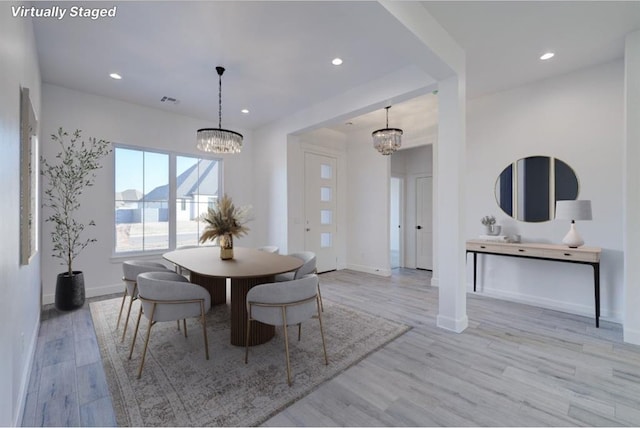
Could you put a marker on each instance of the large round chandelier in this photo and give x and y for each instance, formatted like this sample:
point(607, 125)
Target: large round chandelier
point(387, 140)
point(218, 140)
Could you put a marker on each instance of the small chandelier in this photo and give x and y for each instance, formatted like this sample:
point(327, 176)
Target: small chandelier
point(218, 140)
point(387, 140)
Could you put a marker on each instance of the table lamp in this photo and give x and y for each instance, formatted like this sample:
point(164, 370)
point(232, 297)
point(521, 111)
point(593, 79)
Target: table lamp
point(573, 210)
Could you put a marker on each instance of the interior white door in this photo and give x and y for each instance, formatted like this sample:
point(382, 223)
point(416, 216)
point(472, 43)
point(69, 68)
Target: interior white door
point(320, 209)
point(395, 222)
point(424, 223)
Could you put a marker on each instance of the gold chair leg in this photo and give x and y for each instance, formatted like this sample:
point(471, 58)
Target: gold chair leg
point(126, 321)
point(204, 330)
point(135, 333)
point(324, 347)
point(184, 324)
point(246, 341)
point(286, 343)
point(146, 342)
point(315, 271)
point(124, 297)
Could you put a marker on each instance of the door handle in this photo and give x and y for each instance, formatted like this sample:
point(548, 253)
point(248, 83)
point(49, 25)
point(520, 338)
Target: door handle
point(418, 227)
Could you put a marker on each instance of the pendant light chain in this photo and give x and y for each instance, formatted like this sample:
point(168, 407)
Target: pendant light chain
point(219, 100)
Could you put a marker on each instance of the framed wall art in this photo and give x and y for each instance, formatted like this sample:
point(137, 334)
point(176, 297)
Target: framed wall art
point(28, 180)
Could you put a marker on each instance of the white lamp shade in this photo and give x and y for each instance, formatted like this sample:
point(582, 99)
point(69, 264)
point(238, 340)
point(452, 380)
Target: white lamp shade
point(573, 210)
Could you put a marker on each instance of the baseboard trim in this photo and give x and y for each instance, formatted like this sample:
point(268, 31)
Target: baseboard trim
point(370, 269)
point(631, 336)
point(435, 281)
point(583, 310)
point(26, 375)
point(48, 299)
point(452, 324)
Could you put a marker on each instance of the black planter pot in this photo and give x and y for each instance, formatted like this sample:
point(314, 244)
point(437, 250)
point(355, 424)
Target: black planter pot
point(70, 291)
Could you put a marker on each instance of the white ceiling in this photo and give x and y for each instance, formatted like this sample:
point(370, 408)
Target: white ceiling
point(503, 40)
point(278, 54)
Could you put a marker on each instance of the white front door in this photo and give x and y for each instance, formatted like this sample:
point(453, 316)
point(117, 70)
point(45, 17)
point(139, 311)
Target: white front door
point(320, 209)
point(424, 223)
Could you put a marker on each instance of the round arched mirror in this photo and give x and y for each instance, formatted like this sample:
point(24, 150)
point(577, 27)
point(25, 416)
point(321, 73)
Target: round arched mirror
point(528, 189)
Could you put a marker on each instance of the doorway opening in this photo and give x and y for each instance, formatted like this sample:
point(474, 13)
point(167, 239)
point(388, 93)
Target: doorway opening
point(396, 204)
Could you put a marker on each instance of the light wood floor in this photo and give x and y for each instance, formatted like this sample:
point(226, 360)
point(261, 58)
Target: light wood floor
point(515, 365)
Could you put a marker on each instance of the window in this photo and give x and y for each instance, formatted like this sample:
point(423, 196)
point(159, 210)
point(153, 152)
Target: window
point(198, 183)
point(154, 209)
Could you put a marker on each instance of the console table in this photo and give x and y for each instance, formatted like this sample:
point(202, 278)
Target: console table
point(557, 253)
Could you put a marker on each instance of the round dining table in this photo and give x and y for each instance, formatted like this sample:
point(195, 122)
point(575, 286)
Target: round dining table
point(248, 268)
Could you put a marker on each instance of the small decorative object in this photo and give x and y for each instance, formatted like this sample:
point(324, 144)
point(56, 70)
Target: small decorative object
point(224, 221)
point(226, 246)
point(495, 229)
point(489, 221)
point(67, 179)
point(573, 210)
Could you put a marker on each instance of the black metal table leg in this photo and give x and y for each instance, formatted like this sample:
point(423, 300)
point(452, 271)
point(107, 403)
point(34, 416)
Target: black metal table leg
point(596, 286)
point(475, 260)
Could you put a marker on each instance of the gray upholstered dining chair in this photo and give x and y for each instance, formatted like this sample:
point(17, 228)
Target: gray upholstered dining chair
point(283, 304)
point(130, 270)
point(168, 296)
point(308, 267)
point(270, 249)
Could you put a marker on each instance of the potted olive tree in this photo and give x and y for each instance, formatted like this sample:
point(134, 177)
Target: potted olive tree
point(68, 176)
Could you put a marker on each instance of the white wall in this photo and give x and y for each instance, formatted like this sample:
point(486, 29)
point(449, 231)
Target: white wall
point(631, 155)
point(130, 124)
point(411, 164)
point(578, 118)
point(368, 206)
point(19, 285)
point(270, 186)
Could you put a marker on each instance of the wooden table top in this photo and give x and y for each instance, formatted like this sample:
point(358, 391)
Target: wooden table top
point(246, 262)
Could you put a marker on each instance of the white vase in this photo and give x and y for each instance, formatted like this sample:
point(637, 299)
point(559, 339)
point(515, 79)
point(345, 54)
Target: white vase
point(494, 230)
point(573, 239)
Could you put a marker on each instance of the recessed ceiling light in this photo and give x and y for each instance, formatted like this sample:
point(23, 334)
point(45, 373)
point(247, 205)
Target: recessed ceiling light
point(244, 110)
point(547, 55)
point(115, 76)
point(336, 61)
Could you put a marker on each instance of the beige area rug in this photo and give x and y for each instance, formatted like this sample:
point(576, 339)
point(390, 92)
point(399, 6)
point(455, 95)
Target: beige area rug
point(179, 387)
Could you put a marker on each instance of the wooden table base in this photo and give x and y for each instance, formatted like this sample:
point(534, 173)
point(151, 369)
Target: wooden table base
point(217, 287)
point(260, 333)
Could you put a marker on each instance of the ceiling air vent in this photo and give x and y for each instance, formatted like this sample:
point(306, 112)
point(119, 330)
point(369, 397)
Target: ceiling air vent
point(171, 100)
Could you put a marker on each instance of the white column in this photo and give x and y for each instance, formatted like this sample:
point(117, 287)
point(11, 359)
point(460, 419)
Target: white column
point(631, 189)
point(450, 163)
